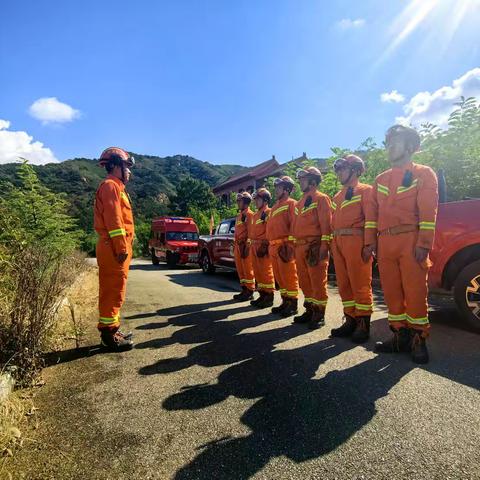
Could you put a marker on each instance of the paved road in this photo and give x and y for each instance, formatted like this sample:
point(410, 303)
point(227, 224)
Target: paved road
point(216, 390)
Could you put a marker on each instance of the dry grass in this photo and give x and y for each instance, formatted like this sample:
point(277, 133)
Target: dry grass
point(14, 414)
point(78, 311)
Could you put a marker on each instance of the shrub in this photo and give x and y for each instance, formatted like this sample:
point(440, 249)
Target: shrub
point(38, 262)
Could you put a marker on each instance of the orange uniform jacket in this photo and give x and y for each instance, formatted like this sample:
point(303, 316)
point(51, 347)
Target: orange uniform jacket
point(354, 276)
point(394, 204)
point(113, 221)
point(281, 220)
point(351, 213)
point(258, 225)
point(113, 218)
point(315, 219)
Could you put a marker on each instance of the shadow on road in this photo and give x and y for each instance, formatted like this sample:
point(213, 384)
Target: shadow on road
point(295, 414)
point(220, 282)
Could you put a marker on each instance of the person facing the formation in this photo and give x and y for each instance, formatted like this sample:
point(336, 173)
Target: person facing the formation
point(312, 230)
point(281, 249)
point(405, 201)
point(113, 221)
point(353, 262)
point(243, 258)
point(262, 263)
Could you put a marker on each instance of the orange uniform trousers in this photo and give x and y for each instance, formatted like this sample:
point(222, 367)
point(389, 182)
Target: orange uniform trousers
point(312, 280)
point(244, 269)
point(285, 273)
point(112, 278)
point(354, 276)
point(263, 271)
point(404, 281)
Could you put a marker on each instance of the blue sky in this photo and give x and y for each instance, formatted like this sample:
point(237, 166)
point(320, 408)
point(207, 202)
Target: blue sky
point(224, 81)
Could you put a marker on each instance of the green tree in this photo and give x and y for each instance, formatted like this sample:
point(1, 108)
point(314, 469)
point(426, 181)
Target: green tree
point(193, 193)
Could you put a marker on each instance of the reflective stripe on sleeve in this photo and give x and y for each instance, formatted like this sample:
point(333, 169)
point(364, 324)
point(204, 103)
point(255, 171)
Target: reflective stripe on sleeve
point(427, 225)
point(383, 189)
point(118, 232)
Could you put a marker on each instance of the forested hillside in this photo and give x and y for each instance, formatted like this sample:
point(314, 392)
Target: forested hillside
point(152, 188)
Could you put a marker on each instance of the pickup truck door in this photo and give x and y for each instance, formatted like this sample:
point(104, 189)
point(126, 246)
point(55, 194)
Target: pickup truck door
point(218, 247)
point(228, 258)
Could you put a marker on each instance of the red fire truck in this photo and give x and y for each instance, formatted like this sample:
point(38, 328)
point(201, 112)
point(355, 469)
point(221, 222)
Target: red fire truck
point(174, 240)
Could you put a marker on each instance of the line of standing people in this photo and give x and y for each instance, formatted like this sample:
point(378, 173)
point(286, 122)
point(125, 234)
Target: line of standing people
point(394, 220)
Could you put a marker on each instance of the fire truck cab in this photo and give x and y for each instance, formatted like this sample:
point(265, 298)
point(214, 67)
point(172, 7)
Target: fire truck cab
point(174, 240)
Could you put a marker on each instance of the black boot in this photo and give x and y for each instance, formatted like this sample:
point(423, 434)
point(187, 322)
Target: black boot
point(419, 348)
point(266, 301)
point(362, 330)
point(238, 296)
point(290, 309)
point(346, 329)
point(317, 320)
point(306, 316)
point(244, 295)
point(114, 341)
point(400, 342)
point(280, 308)
point(254, 303)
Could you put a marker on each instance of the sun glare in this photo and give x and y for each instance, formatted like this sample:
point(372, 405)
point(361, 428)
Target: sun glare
point(445, 16)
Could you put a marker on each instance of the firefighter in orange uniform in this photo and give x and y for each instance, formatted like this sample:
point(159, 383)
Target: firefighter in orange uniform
point(281, 247)
point(262, 263)
point(113, 220)
point(312, 231)
point(353, 263)
point(243, 257)
point(405, 201)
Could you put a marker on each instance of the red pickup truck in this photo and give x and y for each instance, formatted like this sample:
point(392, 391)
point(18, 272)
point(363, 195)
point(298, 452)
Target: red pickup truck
point(456, 256)
point(174, 240)
point(217, 250)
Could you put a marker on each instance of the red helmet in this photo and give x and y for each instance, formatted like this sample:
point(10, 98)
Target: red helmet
point(264, 194)
point(117, 156)
point(311, 172)
point(354, 163)
point(285, 181)
point(245, 196)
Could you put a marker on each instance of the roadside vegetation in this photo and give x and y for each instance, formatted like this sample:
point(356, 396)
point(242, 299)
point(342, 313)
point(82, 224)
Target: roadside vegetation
point(39, 261)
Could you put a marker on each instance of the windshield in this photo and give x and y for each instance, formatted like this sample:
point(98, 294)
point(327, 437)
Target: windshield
point(189, 236)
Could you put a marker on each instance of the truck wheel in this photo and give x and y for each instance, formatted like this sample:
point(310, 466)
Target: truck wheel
point(206, 263)
point(171, 261)
point(467, 293)
point(155, 259)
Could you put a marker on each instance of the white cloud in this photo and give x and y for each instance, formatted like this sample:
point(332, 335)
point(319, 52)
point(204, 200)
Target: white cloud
point(437, 106)
point(392, 97)
point(14, 145)
point(348, 23)
point(51, 110)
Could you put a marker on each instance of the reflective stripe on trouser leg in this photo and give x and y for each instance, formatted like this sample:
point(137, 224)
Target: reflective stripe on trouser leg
point(112, 278)
point(263, 271)
point(343, 282)
point(404, 281)
point(358, 272)
point(285, 274)
point(302, 271)
point(244, 269)
point(414, 281)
